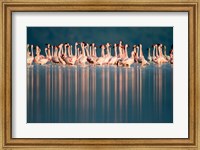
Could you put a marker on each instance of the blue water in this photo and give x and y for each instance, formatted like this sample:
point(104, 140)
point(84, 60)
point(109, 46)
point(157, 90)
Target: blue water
point(101, 35)
point(100, 94)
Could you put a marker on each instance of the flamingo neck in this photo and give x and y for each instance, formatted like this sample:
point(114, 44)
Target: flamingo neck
point(165, 52)
point(93, 51)
point(90, 51)
point(71, 51)
point(95, 54)
point(126, 53)
point(68, 50)
point(115, 51)
point(149, 52)
point(87, 51)
point(141, 53)
point(153, 51)
point(32, 52)
point(76, 50)
point(160, 51)
point(52, 51)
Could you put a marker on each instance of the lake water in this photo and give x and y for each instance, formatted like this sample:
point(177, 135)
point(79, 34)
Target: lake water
point(100, 94)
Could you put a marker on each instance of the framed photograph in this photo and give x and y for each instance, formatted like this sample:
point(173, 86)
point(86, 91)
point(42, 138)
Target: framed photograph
point(87, 74)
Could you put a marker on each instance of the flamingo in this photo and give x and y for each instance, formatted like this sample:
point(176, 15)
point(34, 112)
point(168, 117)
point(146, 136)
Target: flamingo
point(69, 51)
point(66, 55)
point(136, 54)
point(95, 53)
point(48, 52)
point(114, 59)
point(120, 49)
point(128, 61)
point(91, 58)
point(90, 50)
point(40, 59)
point(140, 53)
point(55, 55)
point(79, 53)
point(48, 56)
point(141, 57)
point(108, 55)
point(30, 56)
point(60, 58)
point(100, 60)
point(162, 58)
point(73, 57)
point(149, 58)
point(123, 56)
point(83, 58)
point(125, 51)
point(155, 54)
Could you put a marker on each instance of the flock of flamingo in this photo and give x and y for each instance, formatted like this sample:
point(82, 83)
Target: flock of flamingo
point(86, 54)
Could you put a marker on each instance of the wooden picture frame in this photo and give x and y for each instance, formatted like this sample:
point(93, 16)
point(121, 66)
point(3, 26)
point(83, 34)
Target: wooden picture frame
point(9, 6)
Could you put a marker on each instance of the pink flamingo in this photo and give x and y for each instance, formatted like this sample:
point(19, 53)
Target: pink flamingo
point(66, 56)
point(123, 54)
point(80, 54)
point(163, 59)
point(73, 58)
point(55, 55)
point(40, 59)
point(114, 59)
point(108, 55)
point(120, 46)
point(83, 58)
point(134, 53)
point(30, 56)
point(60, 58)
point(100, 60)
point(92, 55)
point(141, 57)
point(128, 61)
point(165, 54)
point(48, 52)
point(155, 54)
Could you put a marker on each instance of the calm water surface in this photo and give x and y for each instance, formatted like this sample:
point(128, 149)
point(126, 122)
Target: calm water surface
point(108, 94)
